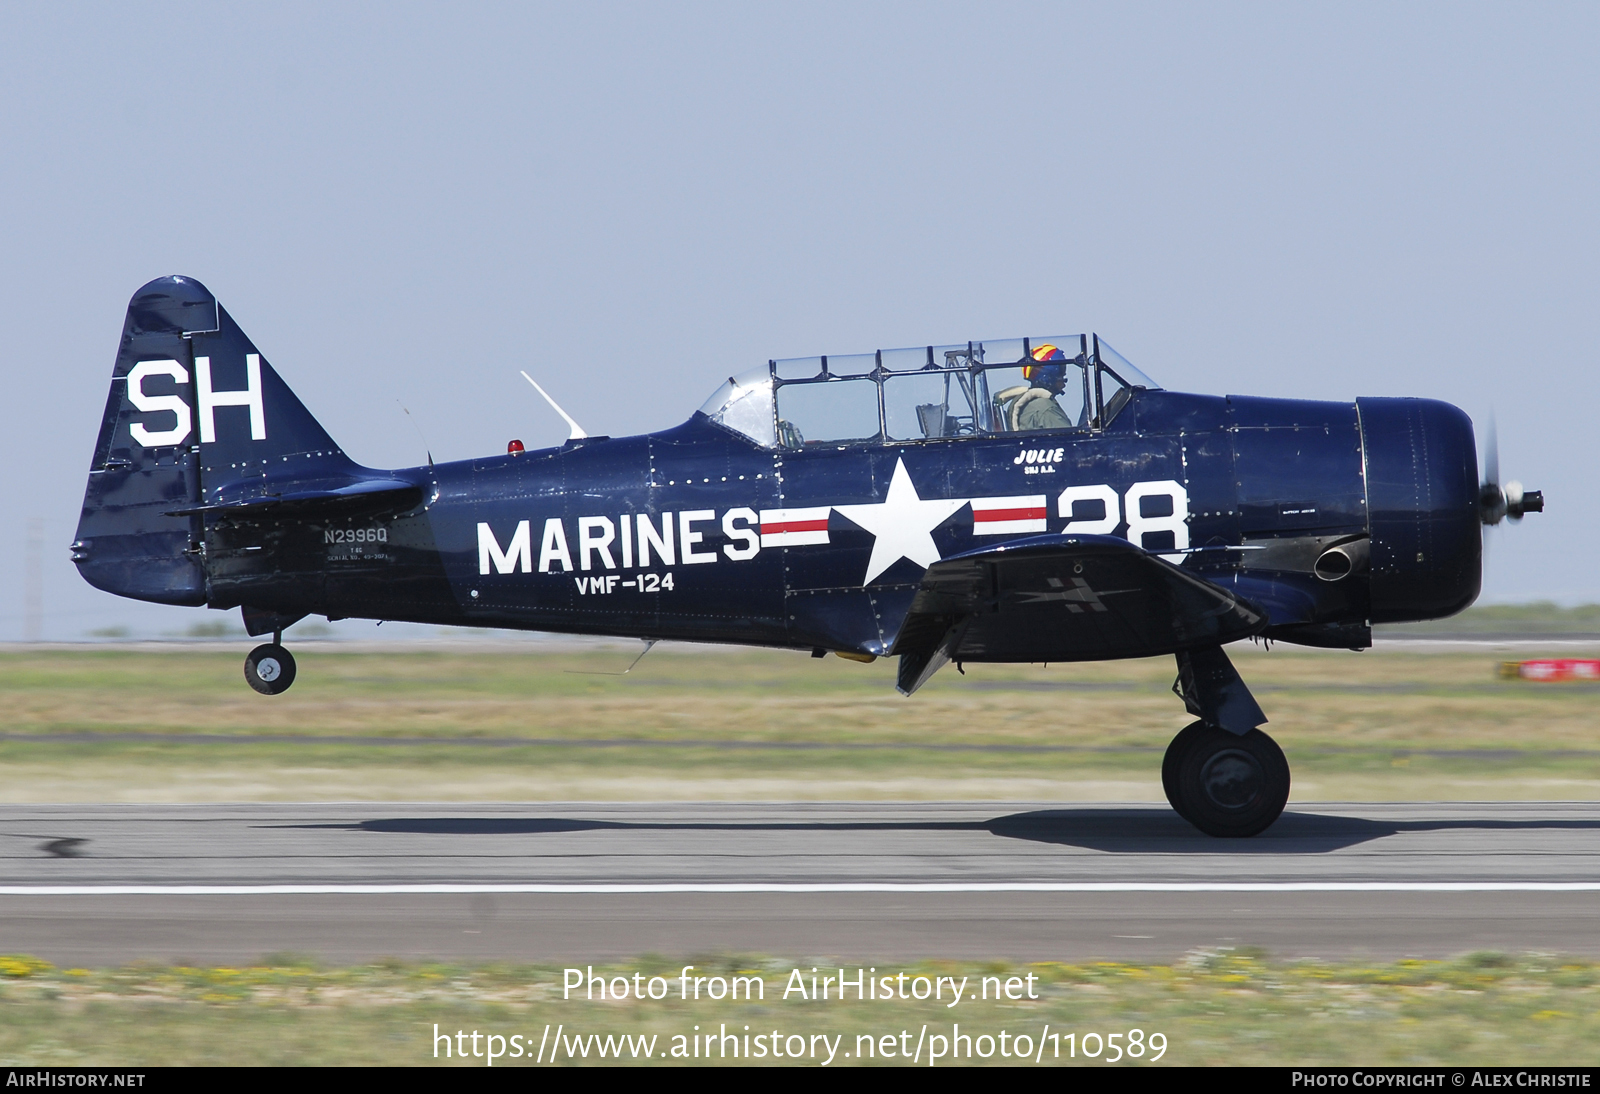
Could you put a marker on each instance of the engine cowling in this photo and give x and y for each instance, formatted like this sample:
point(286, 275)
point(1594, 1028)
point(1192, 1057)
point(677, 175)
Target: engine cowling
point(1421, 466)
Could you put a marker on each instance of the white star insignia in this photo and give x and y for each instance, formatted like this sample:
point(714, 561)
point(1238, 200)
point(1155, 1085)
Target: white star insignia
point(902, 523)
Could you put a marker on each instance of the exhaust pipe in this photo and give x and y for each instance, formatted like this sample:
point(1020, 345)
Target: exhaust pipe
point(1342, 560)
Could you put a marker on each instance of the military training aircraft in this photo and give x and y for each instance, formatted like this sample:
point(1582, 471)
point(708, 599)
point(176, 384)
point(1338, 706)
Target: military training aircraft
point(1027, 499)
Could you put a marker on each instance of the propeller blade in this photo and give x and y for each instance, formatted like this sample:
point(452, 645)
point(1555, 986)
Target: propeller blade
point(1491, 455)
point(1491, 499)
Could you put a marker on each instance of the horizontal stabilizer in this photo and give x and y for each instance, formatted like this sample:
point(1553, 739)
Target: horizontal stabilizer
point(1063, 598)
point(366, 493)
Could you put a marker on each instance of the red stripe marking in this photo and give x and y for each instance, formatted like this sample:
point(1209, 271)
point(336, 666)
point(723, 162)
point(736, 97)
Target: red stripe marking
point(800, 526)
point(987, 515)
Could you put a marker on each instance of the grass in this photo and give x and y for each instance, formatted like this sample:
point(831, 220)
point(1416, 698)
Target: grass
point(740, 724)
point(1540, 617)
point(1225, 1007)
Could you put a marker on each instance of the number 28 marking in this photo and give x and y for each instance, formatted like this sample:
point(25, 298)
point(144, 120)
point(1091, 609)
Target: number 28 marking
point(1150, 507)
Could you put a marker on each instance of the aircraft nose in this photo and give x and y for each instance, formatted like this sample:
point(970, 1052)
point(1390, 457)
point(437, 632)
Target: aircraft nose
point(1422, 507)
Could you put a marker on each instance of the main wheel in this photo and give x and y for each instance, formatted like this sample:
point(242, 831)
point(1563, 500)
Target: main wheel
point(269, 669)
point(1173, 760)
point(1230, 785)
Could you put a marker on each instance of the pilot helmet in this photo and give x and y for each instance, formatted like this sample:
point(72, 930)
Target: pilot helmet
point(1042, 374)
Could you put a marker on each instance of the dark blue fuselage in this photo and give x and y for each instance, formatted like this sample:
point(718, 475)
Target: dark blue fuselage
point(1248, 493)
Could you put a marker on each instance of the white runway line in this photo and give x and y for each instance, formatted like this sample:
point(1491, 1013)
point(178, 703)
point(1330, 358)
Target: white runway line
point(823, 887)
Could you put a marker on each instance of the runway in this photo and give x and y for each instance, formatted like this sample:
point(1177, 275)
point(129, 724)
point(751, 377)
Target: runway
point(585, 883)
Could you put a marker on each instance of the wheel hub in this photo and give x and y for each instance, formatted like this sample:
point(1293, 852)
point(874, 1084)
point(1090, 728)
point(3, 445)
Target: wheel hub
point(1232, 779)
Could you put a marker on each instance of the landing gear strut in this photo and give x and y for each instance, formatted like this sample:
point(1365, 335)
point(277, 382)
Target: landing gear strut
point(1225, 784)
point(1222, 774)
point(269, 668)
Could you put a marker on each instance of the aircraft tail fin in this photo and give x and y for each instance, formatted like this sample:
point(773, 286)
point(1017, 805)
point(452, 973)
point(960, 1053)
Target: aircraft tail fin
point(195, 417)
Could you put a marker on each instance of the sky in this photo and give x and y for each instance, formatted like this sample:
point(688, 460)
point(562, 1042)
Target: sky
point(403, 205)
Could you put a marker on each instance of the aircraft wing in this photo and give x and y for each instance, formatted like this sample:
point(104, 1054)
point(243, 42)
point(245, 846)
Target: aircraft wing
point(1063, 598)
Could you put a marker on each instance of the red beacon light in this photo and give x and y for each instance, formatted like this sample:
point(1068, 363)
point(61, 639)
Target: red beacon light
point(514, 447)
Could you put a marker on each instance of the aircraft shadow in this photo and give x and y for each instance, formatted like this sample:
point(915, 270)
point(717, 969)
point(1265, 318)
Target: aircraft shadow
point(1151, 830)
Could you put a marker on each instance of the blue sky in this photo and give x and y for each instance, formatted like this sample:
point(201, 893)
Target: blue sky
point(407, 204)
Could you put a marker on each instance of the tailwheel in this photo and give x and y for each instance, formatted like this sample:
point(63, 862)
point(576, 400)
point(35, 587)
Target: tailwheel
point(1226, 784)
point(269, 669)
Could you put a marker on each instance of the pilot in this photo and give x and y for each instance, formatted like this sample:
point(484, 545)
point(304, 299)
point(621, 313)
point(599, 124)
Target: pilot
point(1035, 407)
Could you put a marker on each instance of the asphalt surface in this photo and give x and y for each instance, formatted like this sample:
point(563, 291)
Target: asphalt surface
point(872, 881)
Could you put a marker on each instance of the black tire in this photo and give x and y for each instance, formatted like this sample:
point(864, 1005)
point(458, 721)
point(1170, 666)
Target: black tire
point(1232, 786)
point(269, 669)
point(1173, 760)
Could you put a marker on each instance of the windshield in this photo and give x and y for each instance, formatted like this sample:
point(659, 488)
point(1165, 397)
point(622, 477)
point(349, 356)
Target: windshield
point(744, 405)
point(1121, 366)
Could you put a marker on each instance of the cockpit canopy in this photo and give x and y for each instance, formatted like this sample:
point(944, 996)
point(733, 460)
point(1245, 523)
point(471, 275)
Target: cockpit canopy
point(1010, 385)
